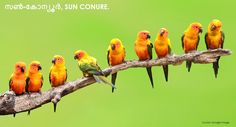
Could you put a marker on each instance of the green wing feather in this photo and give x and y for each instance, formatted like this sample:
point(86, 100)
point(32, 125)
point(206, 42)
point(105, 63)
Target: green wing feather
point(27, 84)
point(90, 68)
point(108, 60)
point(50, 76)
point(198, 40)
point(182, 39)
point(206, 37)
point(10, 82)
point(222, 39)
point(149, 47)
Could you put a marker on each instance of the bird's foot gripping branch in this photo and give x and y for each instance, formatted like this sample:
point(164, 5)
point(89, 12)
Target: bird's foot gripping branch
point(12, 104)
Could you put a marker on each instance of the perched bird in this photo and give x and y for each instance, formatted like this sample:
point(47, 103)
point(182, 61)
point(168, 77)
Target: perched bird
point(17, 81)
point(214, 38)
point(190, 40)
point(58, 73)
point(34, 81)
point(163, 47)
point(115, 56)
point(88, 65)
point(143, 48)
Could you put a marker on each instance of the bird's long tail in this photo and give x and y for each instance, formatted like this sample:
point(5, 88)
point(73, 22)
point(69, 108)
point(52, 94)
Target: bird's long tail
point(103, 79)
point(188, 65)
point(216, 66)
point(165, 69)
point(113, 80)
point(149, 71)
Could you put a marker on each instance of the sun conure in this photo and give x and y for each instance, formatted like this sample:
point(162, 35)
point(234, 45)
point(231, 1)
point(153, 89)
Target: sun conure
point(190, 40)
point(34, 81)
point(88, 65)
point(214, 38)
point(163, 47)
point(143, 48)
point(17, 81)
point(115, 56)
point(58, 73)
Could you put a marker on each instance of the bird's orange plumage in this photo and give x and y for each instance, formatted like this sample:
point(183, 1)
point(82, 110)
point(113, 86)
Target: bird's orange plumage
point(162, 44)
point(18, 79)
point(116, 52)
point(35, 78)
point(141, 45)
point(190, 38)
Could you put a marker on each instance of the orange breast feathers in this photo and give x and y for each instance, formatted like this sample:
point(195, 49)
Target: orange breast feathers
point(35, 83)
point(162, 48)
point(18, 83)
point(116, 57)
point(190, 44)
point(141, 50)
point(214, 41)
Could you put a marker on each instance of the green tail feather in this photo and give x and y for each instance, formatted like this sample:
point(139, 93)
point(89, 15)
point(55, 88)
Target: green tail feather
point(188, 65)
point(149, 71)
point(113, 80)
point(103, 79)
point(165, 69)
point(216, 67)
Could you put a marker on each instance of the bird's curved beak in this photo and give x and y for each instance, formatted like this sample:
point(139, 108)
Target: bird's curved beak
point(162, 32)
point(113, 47)
point(213, 27)
point(200, 30)
point(148, 36)
point(39, 68)
point(53, 61)
point(75, 57)
point(22, 69)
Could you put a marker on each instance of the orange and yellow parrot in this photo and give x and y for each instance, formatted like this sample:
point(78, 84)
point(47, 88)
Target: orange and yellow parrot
point(88, 65)
point(163, 47)
point(17, 81)
point(143, 48)
point(190, 40)
point(115, 56)
point(214, 39)
point(58, 73)
point(34, 81)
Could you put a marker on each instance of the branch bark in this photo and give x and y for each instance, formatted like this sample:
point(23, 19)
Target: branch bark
point(11, 104)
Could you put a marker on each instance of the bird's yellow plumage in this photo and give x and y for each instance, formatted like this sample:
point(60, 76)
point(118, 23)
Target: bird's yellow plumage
point(58, 72)
point(115, 56)
point(214, 38)
point(163, 47)
point(34, 78)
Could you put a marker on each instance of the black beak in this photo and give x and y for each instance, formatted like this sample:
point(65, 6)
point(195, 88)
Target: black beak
point(39, 68)
point(213, 27)
point(22, 70)
point(75, 57)
point(113, 47)
point(148, 36)
point(53, 61)
point(162, 32)
point(200, 30)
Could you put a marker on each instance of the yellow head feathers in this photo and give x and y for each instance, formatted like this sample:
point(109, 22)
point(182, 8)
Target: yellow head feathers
point(58, 60)
point(215, 25)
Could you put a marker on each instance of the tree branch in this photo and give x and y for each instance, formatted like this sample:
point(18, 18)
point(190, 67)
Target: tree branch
point(11, 104)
